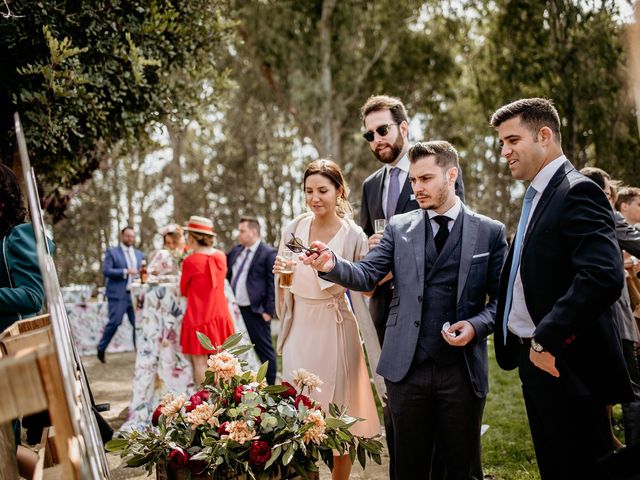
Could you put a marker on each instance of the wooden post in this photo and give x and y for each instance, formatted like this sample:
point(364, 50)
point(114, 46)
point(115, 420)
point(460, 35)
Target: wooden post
point(8, 465)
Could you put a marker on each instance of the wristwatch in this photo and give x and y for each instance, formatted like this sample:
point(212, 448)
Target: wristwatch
point(536, 346)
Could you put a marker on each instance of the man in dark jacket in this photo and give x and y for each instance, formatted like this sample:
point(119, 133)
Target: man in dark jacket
point(249, 269)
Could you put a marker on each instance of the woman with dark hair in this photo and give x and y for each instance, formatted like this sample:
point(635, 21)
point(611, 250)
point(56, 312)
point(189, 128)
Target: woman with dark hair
point(202, 282)
point(21, 287)
point(319, 330)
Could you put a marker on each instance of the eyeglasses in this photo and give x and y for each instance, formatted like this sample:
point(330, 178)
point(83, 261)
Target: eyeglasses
point(382, 130)
point(296, 246)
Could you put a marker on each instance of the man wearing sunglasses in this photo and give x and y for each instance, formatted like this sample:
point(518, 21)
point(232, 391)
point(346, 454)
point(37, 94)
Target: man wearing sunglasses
point(385, 193)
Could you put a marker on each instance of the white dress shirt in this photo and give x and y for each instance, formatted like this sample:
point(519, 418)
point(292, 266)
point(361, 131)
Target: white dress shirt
point(520, 322)
point(242, 295)
point(403, 165)
point(452, 213)
point(132, 263)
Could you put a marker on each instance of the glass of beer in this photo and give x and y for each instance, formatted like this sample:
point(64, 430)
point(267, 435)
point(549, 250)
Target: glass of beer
point(286, 274)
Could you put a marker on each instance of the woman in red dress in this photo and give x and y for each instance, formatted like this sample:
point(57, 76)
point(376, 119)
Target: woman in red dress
point(202, 282)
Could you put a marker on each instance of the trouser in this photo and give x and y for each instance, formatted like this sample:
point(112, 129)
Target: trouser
point(570, 432)
point(436, 404)
point(117, 309)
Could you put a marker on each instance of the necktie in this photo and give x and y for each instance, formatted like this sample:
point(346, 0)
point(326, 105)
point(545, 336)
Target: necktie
point(517, 253)
point(394, 192)
point(236, 277)
point(131, 263)
point(443, 232)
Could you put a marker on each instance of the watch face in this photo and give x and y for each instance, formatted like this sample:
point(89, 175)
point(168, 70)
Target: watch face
point(536, 346)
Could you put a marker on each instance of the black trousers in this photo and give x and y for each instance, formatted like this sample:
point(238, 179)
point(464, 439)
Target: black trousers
point(435, 404)
point(260, 335)
point(570, 433)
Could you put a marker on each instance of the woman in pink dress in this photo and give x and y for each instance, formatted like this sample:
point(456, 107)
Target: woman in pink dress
point(319, 329)
point(202, 282)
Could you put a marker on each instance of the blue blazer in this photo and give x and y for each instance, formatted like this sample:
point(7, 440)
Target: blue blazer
point(572, 273)
point(260, 283)
point(402, 251)
point(113, 267)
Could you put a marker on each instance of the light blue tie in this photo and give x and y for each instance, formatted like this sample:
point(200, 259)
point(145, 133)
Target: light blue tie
point(517, 252)
point(394, 191)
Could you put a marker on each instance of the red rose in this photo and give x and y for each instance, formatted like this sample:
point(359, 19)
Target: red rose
point(306, 401)
point(237, 394)
point(223, 429)
point(156, 416)
point(178, 459)
point(259, 452)
point(203, 394)
point(194, 401)
point(289, 392)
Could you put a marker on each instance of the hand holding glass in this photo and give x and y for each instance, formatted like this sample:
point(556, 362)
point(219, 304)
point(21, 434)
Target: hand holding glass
point(379, 225)
point(286, 272)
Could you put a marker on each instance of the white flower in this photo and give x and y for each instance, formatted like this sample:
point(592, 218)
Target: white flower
point(240, 432)
point(171, 406)
point(316, 433)
point(203, 413)
point(302, 378)
point(224, 366)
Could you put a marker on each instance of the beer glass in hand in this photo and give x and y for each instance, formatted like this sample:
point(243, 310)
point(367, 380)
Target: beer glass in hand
point(286, 273)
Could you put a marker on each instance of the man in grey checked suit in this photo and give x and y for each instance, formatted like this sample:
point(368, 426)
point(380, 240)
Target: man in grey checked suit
point(446, 262)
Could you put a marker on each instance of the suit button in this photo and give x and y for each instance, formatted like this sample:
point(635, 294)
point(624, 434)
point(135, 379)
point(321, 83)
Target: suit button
point(446, 314)
point(420, 298)
point(416, 323)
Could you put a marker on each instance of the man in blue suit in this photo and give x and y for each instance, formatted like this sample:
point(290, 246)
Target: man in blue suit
point(120, 266)
point(446, 263)
point(250, 265)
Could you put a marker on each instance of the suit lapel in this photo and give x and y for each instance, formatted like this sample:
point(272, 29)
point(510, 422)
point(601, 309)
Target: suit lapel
point(547, 194)
point(376, 198)
point(418, 240)
point(255, 257)
point(405, 196)
point(467, 248)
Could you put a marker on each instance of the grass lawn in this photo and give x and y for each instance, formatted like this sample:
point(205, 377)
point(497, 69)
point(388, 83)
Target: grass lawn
point(507, 450)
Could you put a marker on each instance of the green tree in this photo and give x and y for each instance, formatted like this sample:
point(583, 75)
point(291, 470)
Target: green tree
point(88, 77)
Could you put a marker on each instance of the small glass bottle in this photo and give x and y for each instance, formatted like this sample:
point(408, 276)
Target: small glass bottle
point(143, 272)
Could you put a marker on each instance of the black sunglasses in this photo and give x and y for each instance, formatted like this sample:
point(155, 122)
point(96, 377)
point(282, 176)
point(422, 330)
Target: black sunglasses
point(382, 130)
point(296, 246)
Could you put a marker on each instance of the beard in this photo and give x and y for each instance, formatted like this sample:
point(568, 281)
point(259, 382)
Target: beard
point(436, 200)
point(394, 151)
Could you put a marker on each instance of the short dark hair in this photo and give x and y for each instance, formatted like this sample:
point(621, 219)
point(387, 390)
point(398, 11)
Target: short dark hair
point(626, 195)
point(535, 113)
point(13, 211)
point(128, 227)
point(253, 222)
point(377, 103)
point(599, 176)
point(445, 153)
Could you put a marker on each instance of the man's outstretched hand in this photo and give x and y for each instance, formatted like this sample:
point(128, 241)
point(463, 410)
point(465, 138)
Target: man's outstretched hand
point(322, 262)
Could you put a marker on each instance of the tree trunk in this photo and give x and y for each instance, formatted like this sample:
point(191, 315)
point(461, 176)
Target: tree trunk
point(177, 134)
point(326, 81)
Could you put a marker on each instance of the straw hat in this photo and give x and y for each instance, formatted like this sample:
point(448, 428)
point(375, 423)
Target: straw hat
point(199, 225)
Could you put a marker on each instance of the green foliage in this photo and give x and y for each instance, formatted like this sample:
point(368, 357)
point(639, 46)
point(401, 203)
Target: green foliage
point(89, 76)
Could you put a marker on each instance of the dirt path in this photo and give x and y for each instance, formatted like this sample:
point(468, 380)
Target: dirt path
point(111, 382)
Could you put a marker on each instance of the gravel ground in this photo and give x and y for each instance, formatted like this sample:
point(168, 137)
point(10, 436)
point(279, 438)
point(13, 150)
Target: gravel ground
point(111, 382)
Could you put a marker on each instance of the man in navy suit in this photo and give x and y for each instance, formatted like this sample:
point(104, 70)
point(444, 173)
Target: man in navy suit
point(557, 289)
point(385, 193)
point(446, 262)
point(250, 265)
point(120, 266)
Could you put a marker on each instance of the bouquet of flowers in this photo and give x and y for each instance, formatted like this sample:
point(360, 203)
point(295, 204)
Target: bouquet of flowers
point(236, 425)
